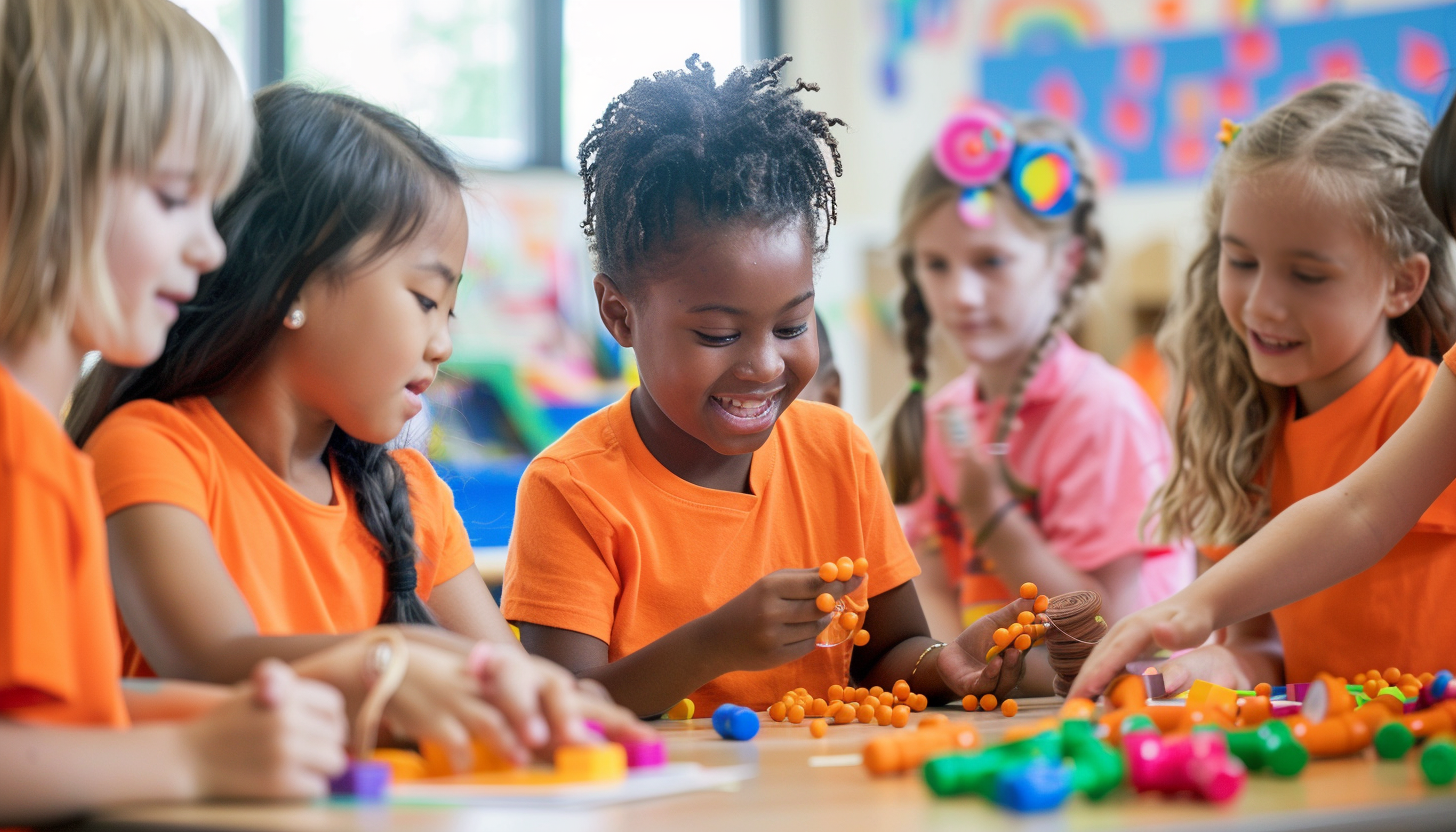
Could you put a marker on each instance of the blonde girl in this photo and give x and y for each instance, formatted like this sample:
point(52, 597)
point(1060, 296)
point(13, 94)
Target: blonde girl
point(1304, 340)
point(1057, 451)
point(123, 123)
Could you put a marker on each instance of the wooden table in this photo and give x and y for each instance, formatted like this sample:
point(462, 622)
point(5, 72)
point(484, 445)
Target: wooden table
point(791, 794)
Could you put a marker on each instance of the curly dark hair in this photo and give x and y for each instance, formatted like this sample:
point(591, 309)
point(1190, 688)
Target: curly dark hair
point(746, 148)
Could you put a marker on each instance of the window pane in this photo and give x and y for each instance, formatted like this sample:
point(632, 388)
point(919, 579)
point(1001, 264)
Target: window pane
point(608, 45)
point(455, 67)
point(225, 19)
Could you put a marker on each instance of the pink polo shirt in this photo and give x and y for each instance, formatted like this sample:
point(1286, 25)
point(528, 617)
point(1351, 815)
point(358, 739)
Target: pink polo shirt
point(1093, 447)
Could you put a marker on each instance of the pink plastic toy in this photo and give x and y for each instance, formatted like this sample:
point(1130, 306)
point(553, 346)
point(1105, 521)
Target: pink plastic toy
point(649, 754)
point(1198, 763)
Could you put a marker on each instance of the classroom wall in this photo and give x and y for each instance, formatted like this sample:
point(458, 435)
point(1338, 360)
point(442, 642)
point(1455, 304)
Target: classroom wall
point(1150, 229)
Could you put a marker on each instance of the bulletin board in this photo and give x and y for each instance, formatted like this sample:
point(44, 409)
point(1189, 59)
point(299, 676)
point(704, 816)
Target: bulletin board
point(1152, 107)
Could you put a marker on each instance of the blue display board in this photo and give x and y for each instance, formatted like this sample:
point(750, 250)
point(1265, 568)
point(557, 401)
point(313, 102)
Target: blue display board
point(1153, 107)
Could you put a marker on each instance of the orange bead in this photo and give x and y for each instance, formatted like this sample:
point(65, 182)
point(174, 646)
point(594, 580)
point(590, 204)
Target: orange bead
point(818, 707)
point(776, 711)
point(988, 702)
point(1264, 689)
point(1028, 590)
point(789, 698)
point(1015, 630)
point(883, 714)
point(818, 728)
point(930, 721)
point(1077, 708)
point(848, 620)
point(1040, 605)
point(918, 702)
point(887, 698)
point(900, 716)
point(1002, 637)
point(845, 714)
point(861, 638)
point(1409, 691)
point(875, 691)
point(846, 569)
point(828, 572)
point(1425, 679)
point(825, 602)
point(866, 713)
point(1391, 675)
point(1408, 679)
point(1009, 707)
point(836, 692)
point(1025, 617)
point(861, 567)
point(1373, 686)
point(1023, 642)
point(970, 703)
point(796, 714)
point(901, 689)
point(1373, 674)
point(802, 691)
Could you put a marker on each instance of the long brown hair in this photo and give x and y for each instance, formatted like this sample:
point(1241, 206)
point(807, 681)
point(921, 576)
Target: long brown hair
point(1364, 146)
point(927, 191)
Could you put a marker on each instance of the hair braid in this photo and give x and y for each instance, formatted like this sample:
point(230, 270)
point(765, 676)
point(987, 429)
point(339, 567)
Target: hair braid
point(904, 465)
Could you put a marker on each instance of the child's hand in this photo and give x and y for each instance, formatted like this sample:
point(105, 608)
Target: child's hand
point(963, 663)
point(1175, 624)
point(981, 488)
point(1212, 662)
point(278, 736)
point(542, 701)
point(775, 620)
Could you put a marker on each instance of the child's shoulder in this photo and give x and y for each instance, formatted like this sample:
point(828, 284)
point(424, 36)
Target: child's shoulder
point(32, 444)
point(149, 418)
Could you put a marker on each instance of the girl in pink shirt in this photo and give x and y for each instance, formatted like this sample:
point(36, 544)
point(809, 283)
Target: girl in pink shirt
point(1037, 463)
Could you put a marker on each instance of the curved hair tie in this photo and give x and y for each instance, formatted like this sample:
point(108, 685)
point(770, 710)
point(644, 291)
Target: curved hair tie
point(1228, 131)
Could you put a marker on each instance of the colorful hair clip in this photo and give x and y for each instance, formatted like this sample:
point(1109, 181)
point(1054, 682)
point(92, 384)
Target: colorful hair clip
point(975, 207)
point(1228, 131)
point(1044, 178)
point(975, 146)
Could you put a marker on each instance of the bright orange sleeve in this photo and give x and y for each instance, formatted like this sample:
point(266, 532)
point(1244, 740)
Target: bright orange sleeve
point(37, 543)
point(892, 562)
point(433, 503)
point(557, 574)
point(143, 455)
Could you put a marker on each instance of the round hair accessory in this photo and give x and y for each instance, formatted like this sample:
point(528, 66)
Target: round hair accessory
point(975, 207)
point(1044, 178)
point(295, 319)
point(974, 146)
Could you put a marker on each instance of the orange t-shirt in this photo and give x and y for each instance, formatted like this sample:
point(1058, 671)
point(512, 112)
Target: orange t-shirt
point(301, 566)
point(1372, 619)
point(60, 658)
point(609, 543)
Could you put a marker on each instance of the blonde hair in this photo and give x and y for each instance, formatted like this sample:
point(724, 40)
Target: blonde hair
point(92, 89)
point(926, 192)
point(1363, 146)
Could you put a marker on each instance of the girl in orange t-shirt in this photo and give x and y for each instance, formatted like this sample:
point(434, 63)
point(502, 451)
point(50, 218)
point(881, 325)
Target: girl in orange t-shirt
point(1306, 334)
point(252, 504)
point(107, 191)
point(667, 546)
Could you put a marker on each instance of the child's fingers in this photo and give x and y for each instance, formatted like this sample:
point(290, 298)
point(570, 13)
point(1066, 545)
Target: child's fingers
point(800, 631)
point(806, 585)
point(1126, 640)
point(272, 682)
point(1010, 672)
point(512, 684)
point(617, 722)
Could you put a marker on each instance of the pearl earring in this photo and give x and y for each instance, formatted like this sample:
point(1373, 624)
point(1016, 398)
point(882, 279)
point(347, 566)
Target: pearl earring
point(295, 319)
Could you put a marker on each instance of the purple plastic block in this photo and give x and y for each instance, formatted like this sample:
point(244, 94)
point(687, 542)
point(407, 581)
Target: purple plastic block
point(1283, 709)
point(366, 780)
point(650, 754)
point(1296, 693)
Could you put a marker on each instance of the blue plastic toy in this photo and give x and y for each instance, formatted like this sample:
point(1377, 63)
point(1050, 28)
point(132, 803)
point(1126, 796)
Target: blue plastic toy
point(735, 722)
point(1038, 786)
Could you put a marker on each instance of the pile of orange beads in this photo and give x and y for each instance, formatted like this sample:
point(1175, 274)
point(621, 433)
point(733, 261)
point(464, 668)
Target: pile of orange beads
point(1409, 685)
point(850, 620)
point(971, 702)
point(1027, 632)
point(843, 705)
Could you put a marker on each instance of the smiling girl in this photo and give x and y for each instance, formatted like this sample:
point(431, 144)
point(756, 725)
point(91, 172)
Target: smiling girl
point(1307, 332)
point(251, 503)
point(668, 546)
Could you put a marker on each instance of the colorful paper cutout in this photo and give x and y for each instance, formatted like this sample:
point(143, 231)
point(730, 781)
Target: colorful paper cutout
point(1044, 178)
point(1140, 67)
point(1424, 62)
point(1059, 94)
point(1042, 25)
point(974, 146)
point(1129, 121)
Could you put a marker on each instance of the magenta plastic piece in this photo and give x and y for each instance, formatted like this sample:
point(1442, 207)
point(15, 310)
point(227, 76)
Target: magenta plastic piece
point(650, 754)
point(1279, 710)
point(1296, 693)
point(1197, 763)
point(366, 780)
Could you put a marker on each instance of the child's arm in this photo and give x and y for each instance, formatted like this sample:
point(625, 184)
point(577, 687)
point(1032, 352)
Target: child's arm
point(772, 622)
point(1316, 543)
point(190, 621)
point(277, 737)
point(158, 700)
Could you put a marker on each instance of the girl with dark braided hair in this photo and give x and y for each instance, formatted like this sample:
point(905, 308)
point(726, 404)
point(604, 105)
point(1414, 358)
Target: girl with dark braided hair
point(669, 546)
point(1036, 463)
